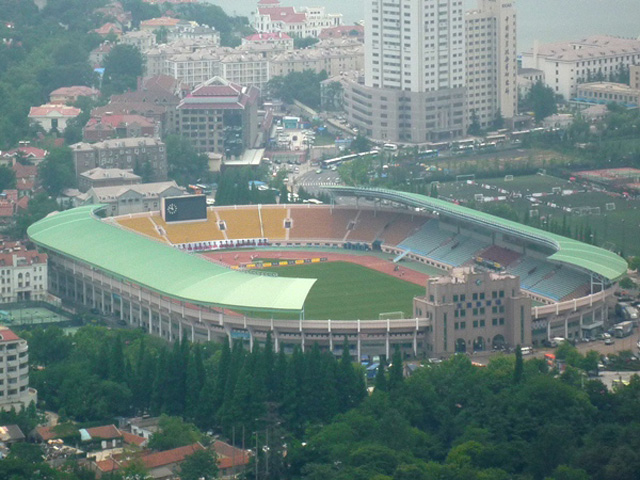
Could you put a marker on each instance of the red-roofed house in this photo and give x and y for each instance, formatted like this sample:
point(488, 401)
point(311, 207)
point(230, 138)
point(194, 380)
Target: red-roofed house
point(69, 95)
point(111, 126)
point(160, 465)
point(231, 460)
point(302, 22)
point(53, 116)
point(25, 179)
point(230, 124)
point(156, 23)
point(32, 154)
point(343, 31)
point(107, 29)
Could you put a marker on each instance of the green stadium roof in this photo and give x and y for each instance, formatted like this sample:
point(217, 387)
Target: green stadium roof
point(79, 234)
point(594, 259)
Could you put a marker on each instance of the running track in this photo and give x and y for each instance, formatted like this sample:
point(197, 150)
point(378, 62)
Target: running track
point(369, 261)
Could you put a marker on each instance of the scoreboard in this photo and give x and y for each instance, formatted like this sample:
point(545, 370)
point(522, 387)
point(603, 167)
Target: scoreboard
point(186, 208)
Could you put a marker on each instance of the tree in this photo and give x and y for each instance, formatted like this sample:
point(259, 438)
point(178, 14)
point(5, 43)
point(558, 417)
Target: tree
point(542, 100)
point(474, 127)
point(173, 433)
point(396, 370)
point(519, 368)
point(122, 67)
point(200, 465)
point(360, 144)
point(7, 178)
point(185, 164)
point(304, 42)
point(57, 172)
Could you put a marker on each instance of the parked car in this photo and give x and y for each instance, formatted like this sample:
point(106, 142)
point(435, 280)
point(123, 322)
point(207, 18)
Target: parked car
point(609, 341)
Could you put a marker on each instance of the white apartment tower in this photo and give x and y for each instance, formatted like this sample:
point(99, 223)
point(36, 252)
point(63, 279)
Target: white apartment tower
point(413, 89)
point(414, 45)
point(491, 61)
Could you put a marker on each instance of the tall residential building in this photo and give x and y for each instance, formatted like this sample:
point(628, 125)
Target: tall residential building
point(414, 85)
point(491, 61)
point(14, 372)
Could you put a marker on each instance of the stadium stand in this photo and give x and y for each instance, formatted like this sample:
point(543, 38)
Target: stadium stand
point(142, 225)
point(320, 223)
point(370, 225)
point(401, 227)
point(560, 284)
point(427, 239)
point(191, 232)
point(458, 251)
point(241, 223)
point(503, 256)
point(273, 222)
point(531, 271)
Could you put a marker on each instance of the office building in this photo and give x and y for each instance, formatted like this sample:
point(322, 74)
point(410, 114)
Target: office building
point(14, 372)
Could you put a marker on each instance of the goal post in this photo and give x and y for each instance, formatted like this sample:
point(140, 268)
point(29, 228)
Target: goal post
point(508, 178)
point(391, 316)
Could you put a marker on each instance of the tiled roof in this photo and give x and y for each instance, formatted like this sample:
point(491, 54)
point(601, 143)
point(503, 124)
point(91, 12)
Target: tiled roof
point(132, 439)
point(108, 28)
point(6, 335)
point(160, 22)
point(46, 433)
point(32, 152)
point(105, 432)
point(169, 457)
point(76, 91)
point(48, 109)
point(121, 120)
point(263, 37)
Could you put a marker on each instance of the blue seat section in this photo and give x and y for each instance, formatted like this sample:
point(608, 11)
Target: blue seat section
point(427, 239)
point(561, 283)
point(458, 251)
point(531, 271)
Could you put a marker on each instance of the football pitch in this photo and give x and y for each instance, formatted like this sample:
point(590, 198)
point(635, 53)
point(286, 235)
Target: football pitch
point(346, 291)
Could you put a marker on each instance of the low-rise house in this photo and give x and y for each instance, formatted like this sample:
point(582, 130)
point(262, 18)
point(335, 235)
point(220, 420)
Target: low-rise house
point(127, 199)
point(118, 126)
point(53, 117)
point(107, 177)
point(69, 95)
point(108, 29)
point(28, 153)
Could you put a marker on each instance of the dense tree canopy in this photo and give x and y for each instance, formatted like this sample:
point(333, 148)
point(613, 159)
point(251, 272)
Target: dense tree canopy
point(302, 86)
point(122, 67)
point(185, 164)
point(57, 171)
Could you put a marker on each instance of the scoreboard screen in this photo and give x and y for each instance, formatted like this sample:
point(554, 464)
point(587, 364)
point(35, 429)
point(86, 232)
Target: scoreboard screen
point(185, 208)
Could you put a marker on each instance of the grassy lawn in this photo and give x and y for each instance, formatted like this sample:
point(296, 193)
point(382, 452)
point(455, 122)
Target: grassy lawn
point(345, 291)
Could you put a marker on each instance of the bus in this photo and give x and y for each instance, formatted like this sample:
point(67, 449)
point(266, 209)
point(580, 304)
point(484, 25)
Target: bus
point(438, 146)
point(390, 147)
point(496, 138)
point(427, 154)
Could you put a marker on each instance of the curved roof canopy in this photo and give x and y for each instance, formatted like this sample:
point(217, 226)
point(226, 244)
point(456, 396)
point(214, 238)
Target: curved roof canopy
point(79, 234)
point(594, 259)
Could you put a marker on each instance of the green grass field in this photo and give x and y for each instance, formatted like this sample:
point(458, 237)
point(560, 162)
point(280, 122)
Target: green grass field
point(346, 291)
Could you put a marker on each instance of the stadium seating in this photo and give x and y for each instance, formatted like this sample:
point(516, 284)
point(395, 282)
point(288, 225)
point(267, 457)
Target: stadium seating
point(320, 223)
point(273, 222)
point(427, 239)
point(531, 271)
point(192, 232)
point(459, 251)
point(143, 225)
point(368, 227)
point(503, 256)
point(560, 284)
point(401, 226)
point(241, 223)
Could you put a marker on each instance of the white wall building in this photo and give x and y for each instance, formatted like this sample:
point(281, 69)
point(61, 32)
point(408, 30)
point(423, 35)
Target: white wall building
point(301, 22)
point(491, 61)
point(14, 372)
point(566, 64)
point(23, 274)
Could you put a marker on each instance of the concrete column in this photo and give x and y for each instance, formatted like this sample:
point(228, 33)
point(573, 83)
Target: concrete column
point(359, 347)
point(302, 341)
point(566, 327)
point(140, 314)
point(251, 339)
point(276, 341)
point(387, 344)
point(150, 321)
point(84, 292)
point(160, 323)
point(103, 309)
point(208, 334)
point(130, 311)
point(180, 330)
point(93, 294)
point(121, 308)
point(193, 334)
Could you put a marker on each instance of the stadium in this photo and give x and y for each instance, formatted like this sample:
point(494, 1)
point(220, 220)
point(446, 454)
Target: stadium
point(161, 275)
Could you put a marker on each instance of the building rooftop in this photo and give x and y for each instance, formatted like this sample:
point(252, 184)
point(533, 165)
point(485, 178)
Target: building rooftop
point(99, 173)
point(218, 93)
point(76, 91)
point(268, 37)
point(117, 143)
point(106, 194)
point(160, 22)
point(589, 48)
point(54, 110)
point(7, 335)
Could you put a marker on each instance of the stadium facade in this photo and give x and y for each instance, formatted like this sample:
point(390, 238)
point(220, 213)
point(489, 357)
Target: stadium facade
point(103, 264)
